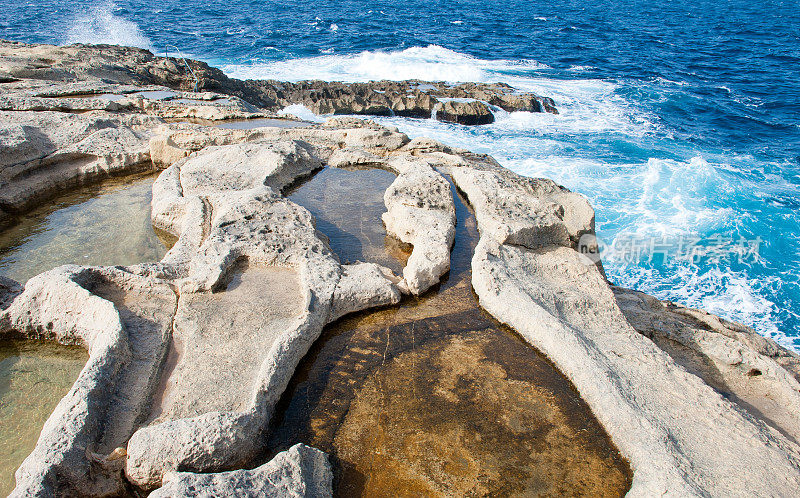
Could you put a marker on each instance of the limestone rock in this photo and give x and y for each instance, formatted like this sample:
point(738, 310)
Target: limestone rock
point(247, 262)
point(363, 286)
point(525, 212)
point(300, 471)
point(219, 202)
point(421, 213)
point(139, 67)
point(680, 436)
point(749, 369)
point(43, 153)
point(124, 321)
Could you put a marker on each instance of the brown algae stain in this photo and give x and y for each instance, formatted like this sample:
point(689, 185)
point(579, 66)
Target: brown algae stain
point(435, 398)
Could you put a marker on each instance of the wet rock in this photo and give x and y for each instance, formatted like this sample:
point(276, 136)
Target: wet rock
point(512, 102)
point(133, 66)
point(465, 113)
point(300, 471)
point(9, 289)
point(6, 220)
point(460, 418)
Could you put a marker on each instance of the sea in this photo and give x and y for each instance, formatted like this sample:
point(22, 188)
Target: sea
point(679, 120)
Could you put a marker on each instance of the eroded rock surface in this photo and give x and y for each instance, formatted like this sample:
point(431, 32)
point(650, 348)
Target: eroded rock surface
point(43, 153)
point(139, 67)
point(205, 378)
point(189, 356)
point(754, 372)
point(680, 435)
point(300, 471)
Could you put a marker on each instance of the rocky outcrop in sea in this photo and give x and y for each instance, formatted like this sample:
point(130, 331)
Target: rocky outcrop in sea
point(189, 356)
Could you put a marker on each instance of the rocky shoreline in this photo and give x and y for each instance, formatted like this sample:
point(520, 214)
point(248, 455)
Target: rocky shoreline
point(189, 356)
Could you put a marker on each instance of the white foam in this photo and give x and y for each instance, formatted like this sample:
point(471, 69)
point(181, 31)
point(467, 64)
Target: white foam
point(581, 68)
point(718, 291)
point(431, 63)
point(101, 25)
point(302, 112)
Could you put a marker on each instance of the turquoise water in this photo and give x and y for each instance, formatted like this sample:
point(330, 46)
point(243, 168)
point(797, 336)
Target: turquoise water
point(679, 120)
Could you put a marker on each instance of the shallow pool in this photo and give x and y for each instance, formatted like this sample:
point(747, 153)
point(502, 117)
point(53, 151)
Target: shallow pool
point(348, 204)
point(34, 376)
point(103, 224)
point(434, 398)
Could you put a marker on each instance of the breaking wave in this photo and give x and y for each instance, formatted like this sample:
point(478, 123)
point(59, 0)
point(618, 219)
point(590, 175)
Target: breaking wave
point(101, 25)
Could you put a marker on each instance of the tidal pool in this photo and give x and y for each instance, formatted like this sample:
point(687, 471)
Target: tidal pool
point(103, 224)
point(434, 398)
point(34, 376)
point(348, 204)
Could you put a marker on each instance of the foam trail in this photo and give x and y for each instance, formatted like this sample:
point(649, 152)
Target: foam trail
point(586, 105)
point(101, 25)
point(428, 63)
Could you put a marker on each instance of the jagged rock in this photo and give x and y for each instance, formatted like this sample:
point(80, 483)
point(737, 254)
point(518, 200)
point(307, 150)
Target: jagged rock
point(300, 471)
point(466, 113)
point(133, 66)
point(680, 436)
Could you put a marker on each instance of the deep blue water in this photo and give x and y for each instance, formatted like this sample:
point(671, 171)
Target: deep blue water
point(680, 120)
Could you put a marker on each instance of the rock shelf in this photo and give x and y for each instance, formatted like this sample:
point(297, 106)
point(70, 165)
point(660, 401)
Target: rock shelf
point(189, 356)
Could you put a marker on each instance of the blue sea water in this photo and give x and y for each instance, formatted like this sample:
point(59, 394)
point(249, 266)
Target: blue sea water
point(680, 120)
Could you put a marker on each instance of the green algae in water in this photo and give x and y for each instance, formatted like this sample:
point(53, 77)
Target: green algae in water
point(34, 376)
point(103, 224)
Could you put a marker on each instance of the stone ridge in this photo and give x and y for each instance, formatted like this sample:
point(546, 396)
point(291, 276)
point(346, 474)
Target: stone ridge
point(680, 435)
point(188, 356)
point(298, 471)
point(134, 66)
